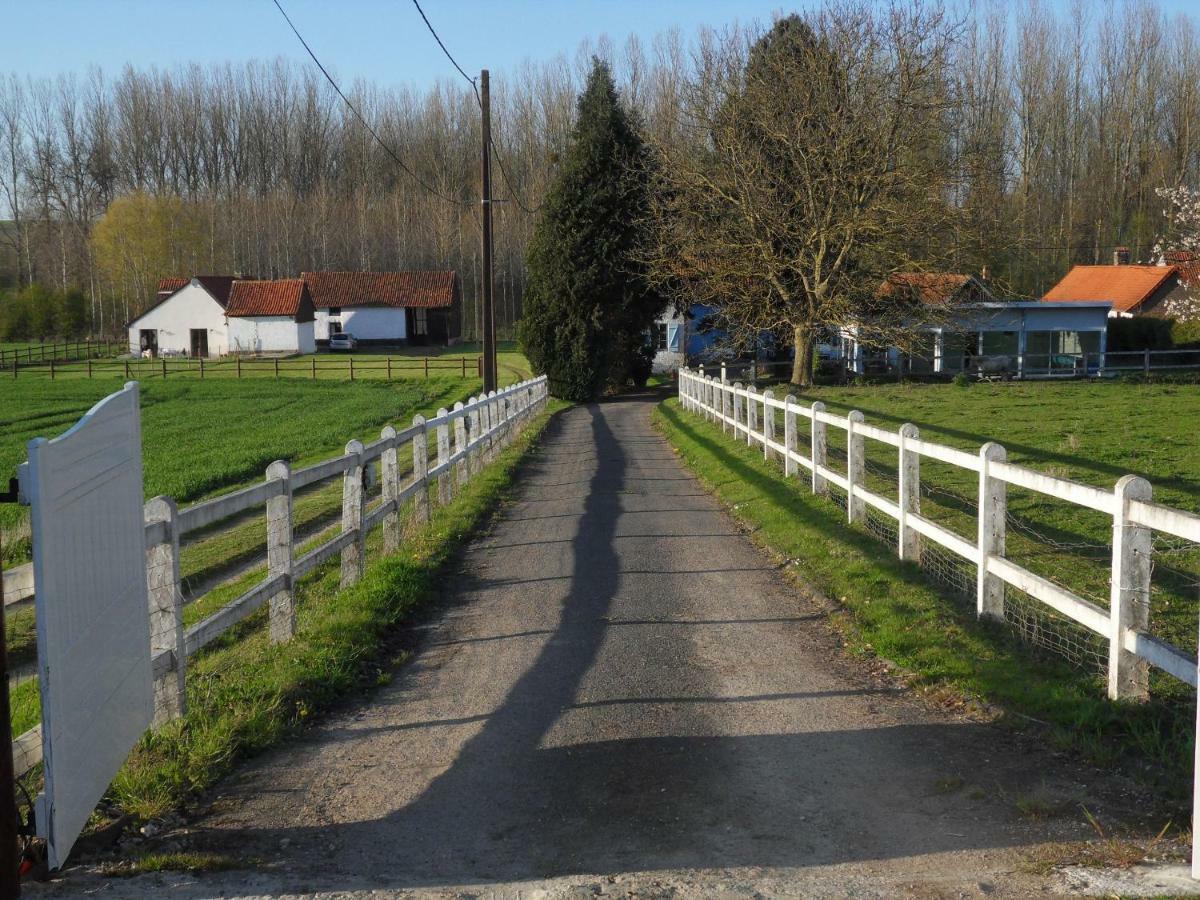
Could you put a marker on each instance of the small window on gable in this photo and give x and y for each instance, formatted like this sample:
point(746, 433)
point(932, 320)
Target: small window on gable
point(335, 311)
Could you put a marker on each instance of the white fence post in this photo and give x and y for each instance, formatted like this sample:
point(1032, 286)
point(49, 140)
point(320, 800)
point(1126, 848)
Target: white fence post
point(856, 508)
point(789, 435)
point(1129, 600)
point(751, 415)
point(768, 423)
point(993, 510)
point(352, 516)
point(166, 610)
point(420, 449)
point(739, 416)
point(460, 445)
point(389, 470)
point(820, 449)
point(909, 541)
point(282, 614)
point(444, 485)
point(474, 455)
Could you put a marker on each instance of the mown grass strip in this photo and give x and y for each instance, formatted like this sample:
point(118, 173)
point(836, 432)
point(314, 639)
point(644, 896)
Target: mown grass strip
point(888, 607)
point(245, 695)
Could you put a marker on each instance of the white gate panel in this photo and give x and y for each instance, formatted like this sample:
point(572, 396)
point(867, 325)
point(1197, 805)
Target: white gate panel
point(89, 560)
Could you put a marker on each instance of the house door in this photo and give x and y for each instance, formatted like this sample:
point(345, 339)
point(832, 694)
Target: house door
point(148, 340)
point(199, 342)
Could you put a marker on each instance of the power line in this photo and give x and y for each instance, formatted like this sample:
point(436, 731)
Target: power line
point(474, 87)
point(390, 152)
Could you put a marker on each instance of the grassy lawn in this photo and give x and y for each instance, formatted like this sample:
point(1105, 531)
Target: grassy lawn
point(1092, 433)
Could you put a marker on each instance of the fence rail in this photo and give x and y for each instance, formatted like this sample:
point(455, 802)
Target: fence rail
point(480, 427)
point(311, 367)
point(59, 352)
point(1124, 625)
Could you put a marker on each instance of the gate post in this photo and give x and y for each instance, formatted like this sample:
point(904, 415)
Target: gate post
point(1129, 600)
point(993, 509)
point(352, 516)
point(389, 469)
point(820, 448)
point(166, 610)
point(279, 553)
point(909, 542)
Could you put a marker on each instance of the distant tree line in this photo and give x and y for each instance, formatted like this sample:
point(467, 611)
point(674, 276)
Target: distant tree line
point(1054, 129)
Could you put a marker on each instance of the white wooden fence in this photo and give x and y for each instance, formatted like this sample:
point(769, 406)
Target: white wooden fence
point(465, 438)
point(749, 415)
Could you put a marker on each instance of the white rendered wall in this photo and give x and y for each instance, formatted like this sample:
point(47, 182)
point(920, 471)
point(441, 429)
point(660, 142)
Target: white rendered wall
point(367, 323)
point(269, 334)
point(174, 318)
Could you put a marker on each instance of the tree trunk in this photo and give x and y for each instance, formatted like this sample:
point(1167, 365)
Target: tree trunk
point(802, 362)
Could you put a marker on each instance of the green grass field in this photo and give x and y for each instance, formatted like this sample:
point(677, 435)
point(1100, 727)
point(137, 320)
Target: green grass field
point(1092, 433)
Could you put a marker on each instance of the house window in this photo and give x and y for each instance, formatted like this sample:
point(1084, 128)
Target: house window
point(420, 321)
point(335, 311)
point(659, 335)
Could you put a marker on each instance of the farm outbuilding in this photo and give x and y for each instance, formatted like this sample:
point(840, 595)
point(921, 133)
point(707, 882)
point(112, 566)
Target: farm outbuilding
point(415, 308)
point(187, 318)
point(271, 317)
point(1131, 290)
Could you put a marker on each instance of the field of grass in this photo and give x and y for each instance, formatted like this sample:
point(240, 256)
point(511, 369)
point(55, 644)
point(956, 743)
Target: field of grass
point(1088, 432)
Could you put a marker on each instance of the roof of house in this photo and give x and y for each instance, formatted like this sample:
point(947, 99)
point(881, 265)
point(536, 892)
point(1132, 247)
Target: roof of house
point(171, 285)
point(397, 289)
point(1127, 287)
point(1188, 264)
point(217, 286)
point(932, 288)
point(283, 297)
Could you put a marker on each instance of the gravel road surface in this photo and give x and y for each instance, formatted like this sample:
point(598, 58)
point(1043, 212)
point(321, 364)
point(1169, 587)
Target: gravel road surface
point(620, 694)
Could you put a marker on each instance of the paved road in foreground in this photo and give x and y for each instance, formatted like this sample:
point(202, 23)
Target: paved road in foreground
point(620, 693)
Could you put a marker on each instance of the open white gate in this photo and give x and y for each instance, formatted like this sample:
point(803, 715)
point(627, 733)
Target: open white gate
point(89, 563)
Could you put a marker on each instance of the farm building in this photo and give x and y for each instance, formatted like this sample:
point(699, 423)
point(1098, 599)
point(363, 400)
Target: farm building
point(686, 338)
point(970, 328)
point(271, 317)
point(1132, 290)
point(419, 308)
point(187, 318)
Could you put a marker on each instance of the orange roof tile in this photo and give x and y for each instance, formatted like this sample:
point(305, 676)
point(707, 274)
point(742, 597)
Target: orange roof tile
point(398, 289)
point(171, 285)
point(283, 297)
point(1126, 287)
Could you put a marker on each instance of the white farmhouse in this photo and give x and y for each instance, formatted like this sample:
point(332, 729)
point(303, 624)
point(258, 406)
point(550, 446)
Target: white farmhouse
point(399, 308)
point(186, 319)
point(270, 317)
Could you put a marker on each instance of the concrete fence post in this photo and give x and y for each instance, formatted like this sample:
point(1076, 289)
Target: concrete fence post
point(909, 469)
point(166, 610)
point(993, 513)
point(282, 614)
point(420, 451)
point(444, 483)
point(1129, 600)
point(768, 426)
point(460, 445)
point(352, 516)
point(389, 470)
point(751, 416)
point(789, 435)
point(856, 509)
point(820, 449)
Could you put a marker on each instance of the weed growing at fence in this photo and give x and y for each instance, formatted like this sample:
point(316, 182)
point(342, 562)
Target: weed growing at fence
point(892, 609)
point(245, 694)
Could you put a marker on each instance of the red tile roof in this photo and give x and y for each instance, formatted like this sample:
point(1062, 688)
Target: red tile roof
point(398, 289)
point(285, 297)
point(1126, 287)
point(932, 288)
point(218, 285)
point(171, 285)
point(1188, 264)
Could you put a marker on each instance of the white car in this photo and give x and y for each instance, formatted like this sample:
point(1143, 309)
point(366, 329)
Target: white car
point(343, 340)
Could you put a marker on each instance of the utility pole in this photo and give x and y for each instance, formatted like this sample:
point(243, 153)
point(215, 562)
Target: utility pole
point(489, 311)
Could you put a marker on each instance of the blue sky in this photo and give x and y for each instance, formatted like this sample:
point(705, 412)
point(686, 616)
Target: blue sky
point(381, 40)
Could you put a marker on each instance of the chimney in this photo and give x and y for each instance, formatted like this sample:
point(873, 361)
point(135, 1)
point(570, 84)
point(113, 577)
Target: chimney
point(1121, 256)
point(983, 274)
